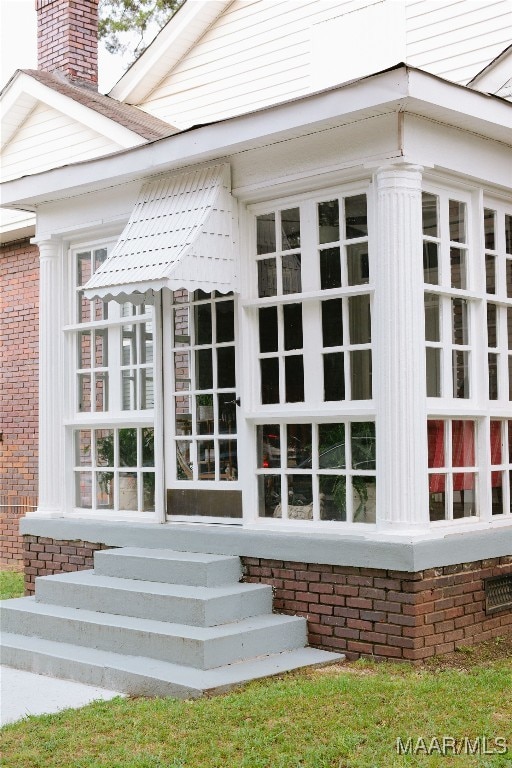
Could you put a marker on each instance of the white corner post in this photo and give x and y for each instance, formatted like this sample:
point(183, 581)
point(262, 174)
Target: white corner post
point(51, 449)
point(399, 352)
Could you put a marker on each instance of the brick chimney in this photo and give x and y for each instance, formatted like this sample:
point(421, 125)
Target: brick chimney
point(67, 38)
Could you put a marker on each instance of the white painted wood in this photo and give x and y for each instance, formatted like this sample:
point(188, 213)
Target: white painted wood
point(399, 357)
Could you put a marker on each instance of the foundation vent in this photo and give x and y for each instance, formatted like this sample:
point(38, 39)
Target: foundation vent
point(498, 593)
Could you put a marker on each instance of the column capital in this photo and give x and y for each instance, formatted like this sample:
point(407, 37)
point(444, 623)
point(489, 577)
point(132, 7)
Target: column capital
point(49, 247)
point(398, 176)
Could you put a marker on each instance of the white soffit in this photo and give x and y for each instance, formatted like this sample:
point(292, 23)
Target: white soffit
point(179, 235)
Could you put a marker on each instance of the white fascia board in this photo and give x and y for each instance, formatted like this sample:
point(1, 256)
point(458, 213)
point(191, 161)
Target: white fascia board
point(167, 49)
point(16, 226)
point(495, 75)
point(25, 86)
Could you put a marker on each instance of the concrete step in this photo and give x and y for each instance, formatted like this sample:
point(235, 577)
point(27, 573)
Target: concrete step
point(181, 604)
point(200, 647)
point(140, 676)
point(189, 568)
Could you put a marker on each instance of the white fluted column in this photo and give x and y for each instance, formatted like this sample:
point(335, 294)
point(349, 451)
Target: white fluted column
point(399, 351)
point(51, 449)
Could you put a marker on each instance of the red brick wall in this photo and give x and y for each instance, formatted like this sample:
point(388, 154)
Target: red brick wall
point(386, 614)
point(67, 37)
point(19, 353)
point(44, 556)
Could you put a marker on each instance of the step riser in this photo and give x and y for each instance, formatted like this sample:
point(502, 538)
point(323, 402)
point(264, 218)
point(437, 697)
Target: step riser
point(144, 605)
point(213, 574)
point(201, 654)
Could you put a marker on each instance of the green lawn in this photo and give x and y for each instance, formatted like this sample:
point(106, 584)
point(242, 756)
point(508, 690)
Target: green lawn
point(11, 584)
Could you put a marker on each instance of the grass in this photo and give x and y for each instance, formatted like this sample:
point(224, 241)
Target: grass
point(346, 716)
point(11, 584)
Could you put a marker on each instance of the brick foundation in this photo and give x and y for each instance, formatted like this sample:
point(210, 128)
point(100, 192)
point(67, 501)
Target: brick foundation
point(360, 611)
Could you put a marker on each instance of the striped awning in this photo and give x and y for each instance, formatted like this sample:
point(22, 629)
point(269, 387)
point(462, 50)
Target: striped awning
point(179, 235)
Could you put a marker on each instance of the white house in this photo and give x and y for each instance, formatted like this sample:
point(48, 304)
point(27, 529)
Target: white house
point(284, 332)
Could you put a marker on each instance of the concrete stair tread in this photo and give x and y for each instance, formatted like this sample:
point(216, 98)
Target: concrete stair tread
point(167, 554)
point(143, 676)
point(164, 628)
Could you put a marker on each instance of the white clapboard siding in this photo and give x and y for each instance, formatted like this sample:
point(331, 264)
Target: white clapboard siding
point(49, 139)
point(457, 39)
point(257, 53)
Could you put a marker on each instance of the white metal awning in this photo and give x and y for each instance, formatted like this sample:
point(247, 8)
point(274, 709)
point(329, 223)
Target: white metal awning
point(179, 235)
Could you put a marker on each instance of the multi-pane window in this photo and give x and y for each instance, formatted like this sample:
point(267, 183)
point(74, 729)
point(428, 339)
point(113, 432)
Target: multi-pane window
point(501, 466)
point(452, 470)
point(447, 302)
point(111, 350)
point(317, 472)
point(204, 397)
point(318, 249)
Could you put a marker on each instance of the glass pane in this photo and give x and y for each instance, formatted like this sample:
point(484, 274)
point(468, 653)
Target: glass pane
point(490, 274)
point(497, 497)
point(203, 323)
point(83, 268)
point(266, 233)
point(359, 319)
point(228, 461)
point(104, 439)
point(464, 502)
point(128, 491)
point(492, 362)
point(84, 392)
point(225, 367)
point(182, 370)
point(104, 490)
point(292, 281)
point(300, 497)
point(495, 440)
point(355, 216)
point(435, 433)
point(508, 233)
point(101, 392)
point(148, 492)
point(433, 365)
point(269, 496)
point(332, 323)
point(489, 219)
point(509, 326)
point(269, 381)
point(101, 348)
point(331, 446)
point(294, 378)
point(84, 349)
point(225, 318)
point(148, 447)
point(290, 229)
point(361, 374)
point(204, 370)
point(328, 222)
point(147, 391)
point(429, 214)
point(181, 325)
point(460, 372)
point(298, 445)
point(227, 413)
point(183, 460)
point(83, 489)
point(83, 446)
point(460, 321)
point(205, 414)
point(458, 267)
point(334, 377)
point(330, 268)
point(269, 446)
point(363, 445)
point(129, 390)
point(510, 377)
point(84, 308)
point(491, 325)
point(508, 277)
point(509, 424)
point(457, 214)
point(100, 309)
point(333, 497)
point(129, 345)
point(267, 278)
point(358, 269)
point(437, 497)
point(206, 459)
point(128, 309)
point(183, 414)
point(292, 316)
point(364, 499)
point(432, 317)
point(128, 447)
point(430, 263)
point(146, 342)
point(463, 443)
point(267, 317)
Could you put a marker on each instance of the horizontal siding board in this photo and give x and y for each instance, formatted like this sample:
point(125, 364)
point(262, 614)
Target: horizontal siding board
point(433, 12)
